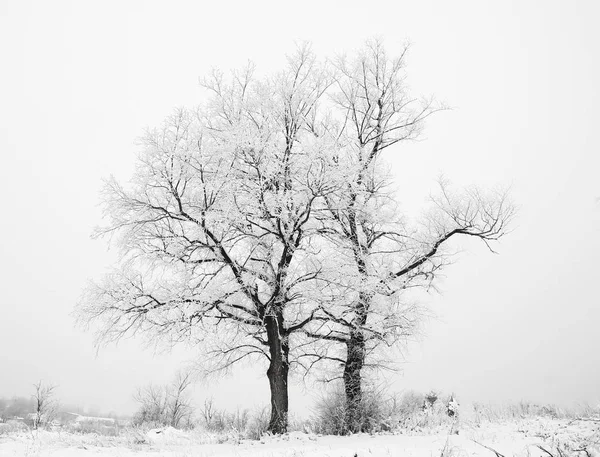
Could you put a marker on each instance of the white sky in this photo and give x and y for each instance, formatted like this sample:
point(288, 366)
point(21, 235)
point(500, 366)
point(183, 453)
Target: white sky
point(80, 80)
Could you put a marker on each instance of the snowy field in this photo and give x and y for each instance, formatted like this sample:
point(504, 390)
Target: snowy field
point(558, 438)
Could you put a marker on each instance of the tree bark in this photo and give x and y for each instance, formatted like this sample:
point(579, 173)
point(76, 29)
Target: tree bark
point(355, 360)
point(278, 373)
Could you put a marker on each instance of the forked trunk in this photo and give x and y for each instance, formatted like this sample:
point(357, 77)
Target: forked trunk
point(355, 360)
point(278, 374)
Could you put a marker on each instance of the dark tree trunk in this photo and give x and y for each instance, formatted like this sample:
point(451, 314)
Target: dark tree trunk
point(355, 360)
point(278, 373)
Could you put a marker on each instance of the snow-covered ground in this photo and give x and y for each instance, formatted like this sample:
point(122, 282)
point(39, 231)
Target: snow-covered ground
point(518, 438)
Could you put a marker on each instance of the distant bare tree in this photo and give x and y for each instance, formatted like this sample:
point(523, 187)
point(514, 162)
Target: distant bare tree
point(45, 404)
point(180, 406)
point(3, 407)
point(166, 405)
point(153, 401)
point(208, 412)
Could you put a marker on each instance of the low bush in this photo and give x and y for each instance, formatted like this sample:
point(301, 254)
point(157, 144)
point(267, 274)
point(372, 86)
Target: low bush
point(92, 427)
point(243, 423)
point(375, 413)
point(380, 412)
point(12, 426)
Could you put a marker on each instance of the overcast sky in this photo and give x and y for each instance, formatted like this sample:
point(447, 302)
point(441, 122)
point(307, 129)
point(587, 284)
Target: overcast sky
point(80, 80)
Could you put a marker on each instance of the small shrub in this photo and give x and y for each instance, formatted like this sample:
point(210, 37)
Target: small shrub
point(331, 411)
point(375, 413)
point(165, 405)
point(12, 426)
point(431, 399)
point(92, 427)
point(238, 424)
point(432, 417)
point(412, 412)
point(411, 403)
point(258, 425)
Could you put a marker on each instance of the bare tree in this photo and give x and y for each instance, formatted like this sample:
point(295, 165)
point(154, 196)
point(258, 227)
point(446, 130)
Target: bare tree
point(380, 255)
point(44, 403)
point(180, 407)
point(153, 401)
point(166, 405)
point(217, 231)
point(208, 412)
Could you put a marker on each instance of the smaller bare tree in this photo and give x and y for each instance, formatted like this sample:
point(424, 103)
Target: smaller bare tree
point(208, 412)
point(153, 405)
point(45, 404)
point(165, 405)
point(180, 407)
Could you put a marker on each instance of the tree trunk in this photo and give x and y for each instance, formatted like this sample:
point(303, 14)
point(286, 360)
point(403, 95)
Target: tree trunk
point(355, 360)
point(278, 373)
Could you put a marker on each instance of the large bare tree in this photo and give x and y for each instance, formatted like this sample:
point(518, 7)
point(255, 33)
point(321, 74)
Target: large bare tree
point(216, 229)
point(380, 255)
